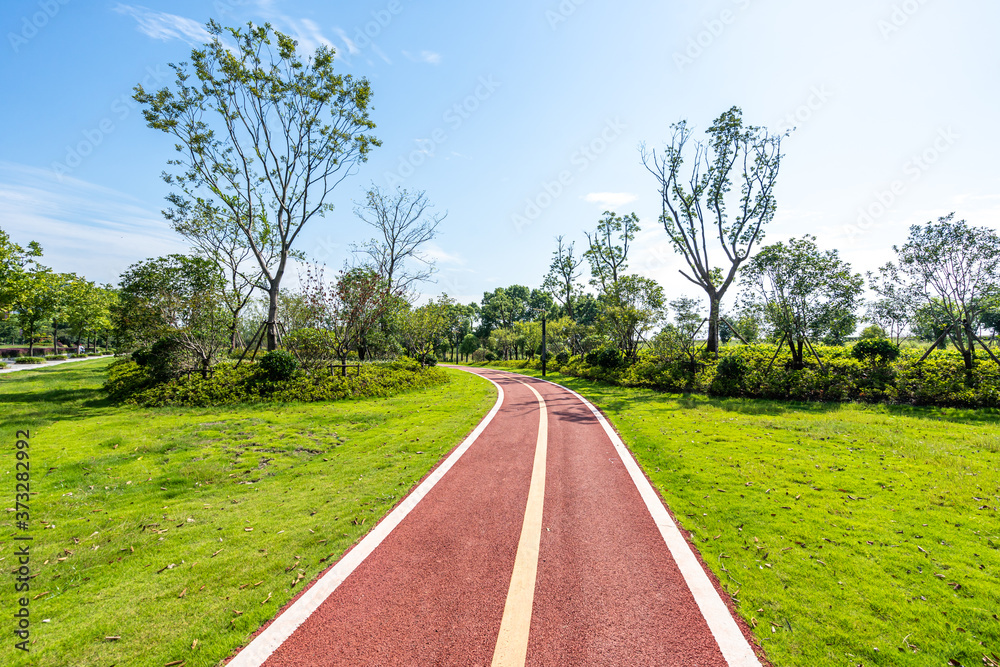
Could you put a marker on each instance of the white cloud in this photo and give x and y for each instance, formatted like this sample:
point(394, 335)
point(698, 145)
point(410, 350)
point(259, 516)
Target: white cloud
point(164, 26)
point(610, 199)
point(84, 228)
point(435, 253)
point(428, 57)
point(352, 48)
point(307, 33)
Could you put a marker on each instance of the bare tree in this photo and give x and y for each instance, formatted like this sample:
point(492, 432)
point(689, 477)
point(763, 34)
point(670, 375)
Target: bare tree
point(560, 281)
point(264, 135)
point(403, 224)
point(697, 211)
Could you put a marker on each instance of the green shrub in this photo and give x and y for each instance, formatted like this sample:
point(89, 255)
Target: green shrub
point(428, 359)
point(490, 356)
point(29, 360)
point(2, 365)
point(55, 357)
point(125, 378)
point(313, 348)
point(229, 384)
point(876, 351)
point(873, 331)
point(278, 365)
point(730, 376)
point(163, 360)
point(608, 358)
point(562, 358)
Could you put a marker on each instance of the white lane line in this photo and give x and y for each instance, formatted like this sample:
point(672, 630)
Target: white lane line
point(512, 642)
point(267, 642)
point(734, 646)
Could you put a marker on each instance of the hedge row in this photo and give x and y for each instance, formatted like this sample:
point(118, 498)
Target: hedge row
point(130, 383)
point(940, 380)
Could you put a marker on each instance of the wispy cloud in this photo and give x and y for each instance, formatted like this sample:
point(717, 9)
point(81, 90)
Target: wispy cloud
point(352, 48)
point(164, 26)
point(84, 228)
point(610, 199)
point(307, 33)
point(428, 57)
point(435, 253)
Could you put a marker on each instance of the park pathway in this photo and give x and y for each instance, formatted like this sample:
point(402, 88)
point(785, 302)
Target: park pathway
point(538, 541)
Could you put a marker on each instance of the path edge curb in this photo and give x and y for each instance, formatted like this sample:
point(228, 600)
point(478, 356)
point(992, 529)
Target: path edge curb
point(287, 622)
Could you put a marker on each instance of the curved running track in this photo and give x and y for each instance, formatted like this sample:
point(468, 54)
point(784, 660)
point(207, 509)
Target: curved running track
point(537, 542)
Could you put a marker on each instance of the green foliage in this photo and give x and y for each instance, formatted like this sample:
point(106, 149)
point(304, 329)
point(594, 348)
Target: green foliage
point(29, 360)
point(876, 351)
point(249, 383)
point(162, 360)
point(315, 349)
point(872, 331)
point(427, 359)
point(55, 357)
point(608, 358)
point(125, 378)
point(562, 358)
point(730, 376)
point(278, 365)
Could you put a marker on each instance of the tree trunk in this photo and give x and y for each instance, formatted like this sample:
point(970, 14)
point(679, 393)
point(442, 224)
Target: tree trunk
point(272, 316)
point(55, 331)
point(713, 324)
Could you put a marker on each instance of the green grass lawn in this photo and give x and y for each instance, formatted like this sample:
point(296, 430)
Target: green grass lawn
point(849, 535)
point(180, 531)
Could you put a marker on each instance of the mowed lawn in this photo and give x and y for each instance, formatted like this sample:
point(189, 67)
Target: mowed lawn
point(849, 535)
point(165, 535)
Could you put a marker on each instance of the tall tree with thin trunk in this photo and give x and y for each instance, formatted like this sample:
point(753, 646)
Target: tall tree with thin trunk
point(403, 223)
point(262, 135)
point(218, 239)
point(561, 279)
point(702, 210)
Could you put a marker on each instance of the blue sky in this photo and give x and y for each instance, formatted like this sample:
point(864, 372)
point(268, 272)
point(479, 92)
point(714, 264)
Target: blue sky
point(486, 105)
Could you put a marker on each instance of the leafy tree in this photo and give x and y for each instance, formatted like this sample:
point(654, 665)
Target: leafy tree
point(952, 269)
point(469, 345)
point(422, 328)
point(351, 307)
point(587, 310)
point(608, 247)
point(16, 263)
point(895, 305)
point(630, 310)
point(262, 136)
point(704, 209)
point(36, 301)
point(805, 293)
point(502, 307)
point(458, 325)
point(178, 298)
point(403, 224)
point(563, 273)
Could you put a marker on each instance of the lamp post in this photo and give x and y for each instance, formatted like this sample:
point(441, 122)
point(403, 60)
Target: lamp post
point(544, 350)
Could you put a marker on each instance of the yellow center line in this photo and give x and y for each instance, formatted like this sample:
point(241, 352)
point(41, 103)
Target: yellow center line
point(512, 643)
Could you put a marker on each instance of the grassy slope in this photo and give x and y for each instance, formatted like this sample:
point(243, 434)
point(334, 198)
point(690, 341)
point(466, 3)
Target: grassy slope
point(849, 534)
point(274, 492)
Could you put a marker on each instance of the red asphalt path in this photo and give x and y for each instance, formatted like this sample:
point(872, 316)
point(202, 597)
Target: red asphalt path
point(616, 583)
